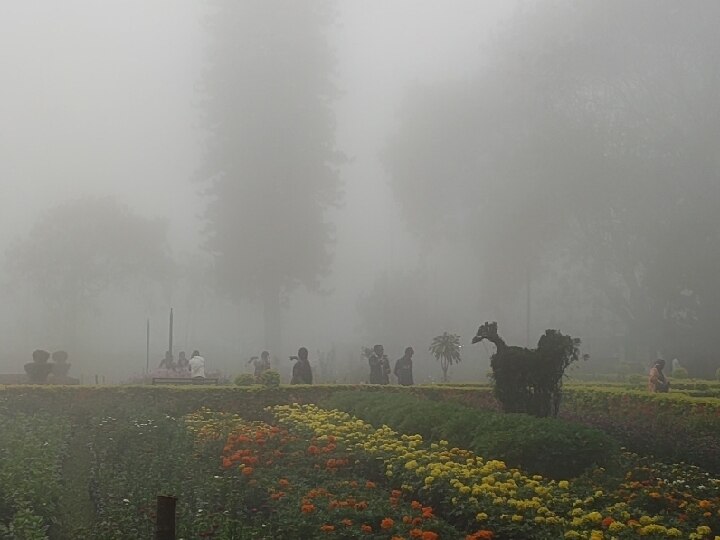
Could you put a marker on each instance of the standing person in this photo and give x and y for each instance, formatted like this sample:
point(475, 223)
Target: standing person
point(197, 366)
point(379, 366)
point(403, 368)
point(183, 364)
point(657, 381)
point(261, 365)
point(302, 372)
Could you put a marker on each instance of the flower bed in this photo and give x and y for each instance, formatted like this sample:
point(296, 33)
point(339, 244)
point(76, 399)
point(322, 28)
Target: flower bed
point(568, 449)
point(466, 488)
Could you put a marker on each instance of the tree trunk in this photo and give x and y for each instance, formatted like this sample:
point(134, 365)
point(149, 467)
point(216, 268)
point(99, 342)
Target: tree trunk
point(444, 364)
point(271, 321)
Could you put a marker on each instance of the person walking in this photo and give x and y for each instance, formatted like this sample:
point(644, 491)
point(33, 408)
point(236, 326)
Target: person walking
point(302, 372)
point(403, 368)
point(379, 366)
point(197, 366)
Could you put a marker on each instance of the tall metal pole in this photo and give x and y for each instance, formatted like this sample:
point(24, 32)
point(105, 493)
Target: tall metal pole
point(527, 308)
point(171, 332)
point(147, 347)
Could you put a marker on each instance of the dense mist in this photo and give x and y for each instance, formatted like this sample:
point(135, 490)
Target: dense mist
point(336, 174)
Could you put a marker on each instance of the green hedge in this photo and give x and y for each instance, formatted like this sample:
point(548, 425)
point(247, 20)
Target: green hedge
point(674, 427)
point(549, 447)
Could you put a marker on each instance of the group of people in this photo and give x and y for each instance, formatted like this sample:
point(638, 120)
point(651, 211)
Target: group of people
point(193, 368)
point(301, 372)
point(380, 367)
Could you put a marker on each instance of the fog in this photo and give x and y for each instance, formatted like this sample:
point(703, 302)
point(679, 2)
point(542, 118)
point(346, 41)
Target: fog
point(335, 175)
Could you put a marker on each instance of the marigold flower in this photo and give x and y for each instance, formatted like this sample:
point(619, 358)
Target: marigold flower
point(429, 535)
point(366, 528)
point(307, 508)
point(416, 505)
point(416, 533)
point(387, 523)
point(347, 522)
point(327, 528)
point(370, 485)
point(247, 471)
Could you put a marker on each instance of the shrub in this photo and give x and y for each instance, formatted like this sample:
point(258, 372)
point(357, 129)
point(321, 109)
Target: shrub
point(551, 447)
point(269, 378)
point(680, 373)
point(245, 379)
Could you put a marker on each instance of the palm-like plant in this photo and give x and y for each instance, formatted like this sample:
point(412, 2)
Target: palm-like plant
point(446, 349)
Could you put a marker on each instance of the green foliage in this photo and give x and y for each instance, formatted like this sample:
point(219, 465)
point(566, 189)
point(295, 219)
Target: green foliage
point(530, 381)
point(269, 378)
point(446, 350)
point(244, 379)
point(680, 373)
point(550, 447)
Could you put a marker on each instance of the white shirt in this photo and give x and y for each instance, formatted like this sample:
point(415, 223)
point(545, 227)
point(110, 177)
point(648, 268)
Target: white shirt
point(197, 366)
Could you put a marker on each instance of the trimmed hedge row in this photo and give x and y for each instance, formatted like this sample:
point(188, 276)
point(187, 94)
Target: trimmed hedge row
point(550, 447)
point(674, 427)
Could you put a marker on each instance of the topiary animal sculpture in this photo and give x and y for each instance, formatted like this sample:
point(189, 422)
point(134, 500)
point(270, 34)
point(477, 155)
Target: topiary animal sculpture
point(529, 380)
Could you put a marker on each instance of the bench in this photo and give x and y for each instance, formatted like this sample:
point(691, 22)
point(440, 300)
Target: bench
point(184, 380)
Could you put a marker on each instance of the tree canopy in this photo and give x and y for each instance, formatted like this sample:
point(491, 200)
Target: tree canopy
point(590, 135)
point(270, 158)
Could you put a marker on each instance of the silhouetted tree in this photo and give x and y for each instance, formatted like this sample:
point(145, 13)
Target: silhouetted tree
point(270, 158)
point(446, 350)
point(82, 248)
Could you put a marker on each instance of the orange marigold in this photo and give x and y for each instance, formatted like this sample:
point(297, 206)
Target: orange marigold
point(429, 535)
point(247, 471)
point(307, 508)
point(347, 522)
point(366, 529)
point(387, 523)
point(370, 485)
point(416, 505)
point(416, 533)
point(480, 535)
point(327, 528)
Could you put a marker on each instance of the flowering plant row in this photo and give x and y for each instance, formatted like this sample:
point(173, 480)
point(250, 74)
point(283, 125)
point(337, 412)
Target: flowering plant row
point(465, 488)
point(288, 486)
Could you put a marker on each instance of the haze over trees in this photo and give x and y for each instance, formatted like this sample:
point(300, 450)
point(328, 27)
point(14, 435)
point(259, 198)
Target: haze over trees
point(83, 248)
point(589, 139)
point(271, 158)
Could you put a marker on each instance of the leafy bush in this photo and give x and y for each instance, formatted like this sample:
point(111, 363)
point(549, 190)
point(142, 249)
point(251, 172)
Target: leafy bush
point(269, 378)
point(553, 448)
point(680, 373)
point(244, 379)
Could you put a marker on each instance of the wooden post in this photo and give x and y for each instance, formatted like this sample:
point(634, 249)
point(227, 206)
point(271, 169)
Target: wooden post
point(165, 524)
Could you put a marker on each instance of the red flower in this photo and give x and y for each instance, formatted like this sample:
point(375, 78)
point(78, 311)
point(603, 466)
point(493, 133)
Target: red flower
point(387, 523)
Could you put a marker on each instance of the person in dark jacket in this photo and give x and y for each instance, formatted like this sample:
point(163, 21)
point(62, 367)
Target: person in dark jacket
point(302, 372)
point(403, 368)
point(379, 366)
